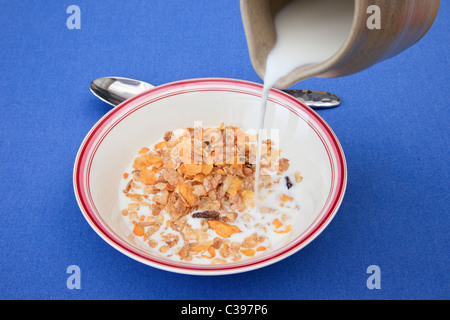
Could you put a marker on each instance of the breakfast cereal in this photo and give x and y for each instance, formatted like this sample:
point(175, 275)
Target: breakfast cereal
point(191, 196)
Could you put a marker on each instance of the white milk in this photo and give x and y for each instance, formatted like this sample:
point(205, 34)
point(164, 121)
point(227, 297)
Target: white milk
point(308, 32)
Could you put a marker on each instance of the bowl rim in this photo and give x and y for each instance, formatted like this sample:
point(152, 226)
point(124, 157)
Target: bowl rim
point(106, 234)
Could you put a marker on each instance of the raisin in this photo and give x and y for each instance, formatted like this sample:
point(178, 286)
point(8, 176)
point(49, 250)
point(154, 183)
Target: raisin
point(288, 182)
point(214, 215)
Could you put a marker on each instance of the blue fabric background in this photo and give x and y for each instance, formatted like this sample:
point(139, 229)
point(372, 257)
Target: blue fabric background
point(393, 125)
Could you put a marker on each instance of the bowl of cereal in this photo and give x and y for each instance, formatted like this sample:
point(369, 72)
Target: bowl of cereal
point(169, 179)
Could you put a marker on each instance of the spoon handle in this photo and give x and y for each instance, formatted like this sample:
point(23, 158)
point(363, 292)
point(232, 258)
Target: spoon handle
point(316, 99)
point(115, 90)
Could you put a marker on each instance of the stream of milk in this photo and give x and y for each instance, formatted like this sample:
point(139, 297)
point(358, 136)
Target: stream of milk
point(308, 32)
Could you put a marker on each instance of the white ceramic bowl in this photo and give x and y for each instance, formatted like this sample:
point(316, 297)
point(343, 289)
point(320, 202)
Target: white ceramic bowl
point(109, 147)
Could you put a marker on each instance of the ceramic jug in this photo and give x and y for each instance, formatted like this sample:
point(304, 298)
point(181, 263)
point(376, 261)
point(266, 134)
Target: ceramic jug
point(401, 24)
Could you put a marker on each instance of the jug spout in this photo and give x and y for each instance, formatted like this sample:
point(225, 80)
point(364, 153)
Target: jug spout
point(400, 25)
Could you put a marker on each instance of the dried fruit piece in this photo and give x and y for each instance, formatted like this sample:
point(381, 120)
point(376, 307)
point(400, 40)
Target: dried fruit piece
point(223, 229)
point(288, 182)
point(206, 215)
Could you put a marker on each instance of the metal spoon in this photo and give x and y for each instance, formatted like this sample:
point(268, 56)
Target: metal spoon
point(115, 90)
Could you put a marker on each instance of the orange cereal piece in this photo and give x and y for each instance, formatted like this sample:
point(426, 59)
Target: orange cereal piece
point(199, 177)
point(144, 150)
point(148, 177)
point(248, 252)
point(261, 248)
point(157, 166)
point(190, 169)
point(153, 159)
point(223, 229)
point(198, 249)
point(212, 253)
point(221, 172)
point(140, 162)
point(138, 229)
point(288, 229)
point(161, 145)
point(145, 160)
point(187, 193)
point(249, 198)
point(232, 185)
point(125, 175)
point(277, 223)
point(285, 198)
point(207, 168)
